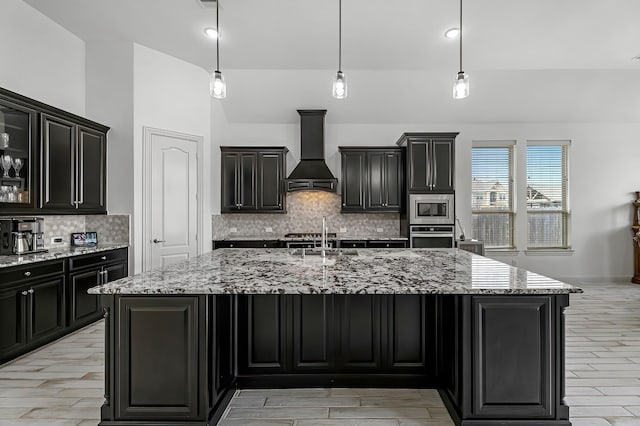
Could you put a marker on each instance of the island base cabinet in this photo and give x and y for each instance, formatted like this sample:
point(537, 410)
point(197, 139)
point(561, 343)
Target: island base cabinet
point(504, 355)
point(156, 360)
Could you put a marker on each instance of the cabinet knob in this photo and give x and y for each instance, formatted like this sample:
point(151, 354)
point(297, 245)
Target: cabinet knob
point(104, 258)
point(30, 291)
point(264, 245)
point(27, 274)
point(387, 245)
point(230, 245)
point(24, 293)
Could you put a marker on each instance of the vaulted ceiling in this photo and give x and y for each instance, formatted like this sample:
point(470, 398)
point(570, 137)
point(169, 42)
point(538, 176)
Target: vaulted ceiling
point(573, 55)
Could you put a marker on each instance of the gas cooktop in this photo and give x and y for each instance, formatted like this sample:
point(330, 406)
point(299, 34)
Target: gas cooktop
point(310, 235)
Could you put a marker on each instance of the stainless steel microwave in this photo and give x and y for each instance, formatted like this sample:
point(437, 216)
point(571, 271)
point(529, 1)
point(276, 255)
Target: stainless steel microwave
point(431, 209)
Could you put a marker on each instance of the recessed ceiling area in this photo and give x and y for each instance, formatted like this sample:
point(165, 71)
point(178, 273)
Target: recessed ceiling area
point(537, 46)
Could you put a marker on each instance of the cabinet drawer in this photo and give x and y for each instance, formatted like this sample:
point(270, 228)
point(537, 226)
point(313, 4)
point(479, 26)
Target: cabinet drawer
point(15, 274)
point(97, 259)
point(353, 244)
point(246, 244)
point(387, 244)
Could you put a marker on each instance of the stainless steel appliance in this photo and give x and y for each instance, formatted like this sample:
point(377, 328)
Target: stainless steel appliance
point(431, 209)
point(435, 236)
point(21, 235)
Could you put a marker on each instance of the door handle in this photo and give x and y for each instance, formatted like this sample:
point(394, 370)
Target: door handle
point(24, 293)
point(156, 241)
point(30, 291)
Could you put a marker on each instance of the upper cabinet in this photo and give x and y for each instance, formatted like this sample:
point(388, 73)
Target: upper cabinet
point(372, 179)
point(18, 154)
point(52, 161)
point(253, 179)
point(430, 161)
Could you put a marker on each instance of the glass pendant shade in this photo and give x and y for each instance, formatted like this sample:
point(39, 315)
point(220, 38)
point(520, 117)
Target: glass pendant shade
point(340, 86)
point(217, 85)
point(461, 86)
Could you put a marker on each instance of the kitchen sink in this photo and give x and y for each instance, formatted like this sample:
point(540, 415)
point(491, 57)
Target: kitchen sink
point(328, 252)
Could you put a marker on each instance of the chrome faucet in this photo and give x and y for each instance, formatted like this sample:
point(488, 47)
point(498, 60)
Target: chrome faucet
point(324, 236)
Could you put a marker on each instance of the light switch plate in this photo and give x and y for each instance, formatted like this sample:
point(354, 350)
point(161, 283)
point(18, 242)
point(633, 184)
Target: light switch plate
point(379, 229)
point(343, 230)
point(56, 240)
point(233, 229)
point(268, 229)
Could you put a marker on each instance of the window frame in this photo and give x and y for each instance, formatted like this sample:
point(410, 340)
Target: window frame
point(511, 211)
point(565, 210)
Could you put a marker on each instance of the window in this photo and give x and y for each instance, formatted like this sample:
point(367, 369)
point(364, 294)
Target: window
point(492, 193)
point(547, 194)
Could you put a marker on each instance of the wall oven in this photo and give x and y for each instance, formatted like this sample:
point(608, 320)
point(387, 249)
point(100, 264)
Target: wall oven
point(431, 209)
point(438, 236)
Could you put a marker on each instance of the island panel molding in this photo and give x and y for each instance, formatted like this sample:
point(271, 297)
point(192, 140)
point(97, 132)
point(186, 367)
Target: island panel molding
point(493, 347)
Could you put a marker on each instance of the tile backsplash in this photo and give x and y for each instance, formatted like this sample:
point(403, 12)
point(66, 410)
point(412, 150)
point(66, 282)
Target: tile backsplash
point(110, 228)
point(304, 214)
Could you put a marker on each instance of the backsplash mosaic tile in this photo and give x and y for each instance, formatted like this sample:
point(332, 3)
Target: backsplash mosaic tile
point(304, 214)
point(110, 228)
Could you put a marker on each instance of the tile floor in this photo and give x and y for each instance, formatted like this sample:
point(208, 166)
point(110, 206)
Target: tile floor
point(62, 384)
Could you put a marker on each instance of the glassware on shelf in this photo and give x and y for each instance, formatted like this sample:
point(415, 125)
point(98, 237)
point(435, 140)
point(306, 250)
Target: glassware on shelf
point(17, 164)
point(5, 162)
point(4, 138)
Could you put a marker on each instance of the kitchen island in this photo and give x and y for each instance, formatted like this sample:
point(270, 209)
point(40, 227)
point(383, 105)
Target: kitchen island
point(489, 336)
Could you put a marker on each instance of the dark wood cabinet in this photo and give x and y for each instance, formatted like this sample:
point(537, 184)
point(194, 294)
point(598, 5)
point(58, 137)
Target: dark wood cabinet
point(218, 244)
point(32, 307)
point(90, 271)
point(222, 368)
point(358, 321)
point(372, 179)
point(430, 161)
point(154, 334)
point(313, 337)
point(262, 330)
point(73, 166)
point(252, 180)
point(373, 243)
point(41, 301)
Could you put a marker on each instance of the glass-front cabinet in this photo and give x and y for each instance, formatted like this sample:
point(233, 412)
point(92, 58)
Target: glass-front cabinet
point(17, 155)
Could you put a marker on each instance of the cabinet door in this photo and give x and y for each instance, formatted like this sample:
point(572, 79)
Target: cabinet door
point(230, 181)
point(313, 340)
point(222, 371)
point(248, 180)
point(58, 163)
point(159, 364)
point(419, 167)
point(46, 313)
point(261, 334)
point(393, 181)
point(84, 307)
point(91, 170)
point(115, 272)
point(375, 199)
point(442, 165)
point(270, 190)
point(13, 332)
point(353, 181)
point(358, 321)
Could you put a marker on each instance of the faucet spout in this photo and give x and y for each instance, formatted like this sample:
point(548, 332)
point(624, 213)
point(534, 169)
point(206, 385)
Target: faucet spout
point(324, 236)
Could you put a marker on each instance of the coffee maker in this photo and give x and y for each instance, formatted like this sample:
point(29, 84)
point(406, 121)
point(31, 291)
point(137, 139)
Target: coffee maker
point(21, 235)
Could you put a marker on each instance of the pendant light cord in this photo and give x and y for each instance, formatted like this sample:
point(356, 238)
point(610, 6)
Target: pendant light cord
point(339, 35)
point(217, 35)
point(460, 35)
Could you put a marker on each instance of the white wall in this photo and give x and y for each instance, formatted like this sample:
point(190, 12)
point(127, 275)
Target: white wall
point(173, 95)
point(40, 59)
point(603, 161)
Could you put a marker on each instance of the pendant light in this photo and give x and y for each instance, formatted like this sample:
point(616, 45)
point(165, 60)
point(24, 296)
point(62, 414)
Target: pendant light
point(340, 82)
point(217, 85)
point(461, 84)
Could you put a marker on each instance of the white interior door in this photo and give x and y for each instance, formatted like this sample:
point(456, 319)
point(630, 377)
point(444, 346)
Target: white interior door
point(173, 187)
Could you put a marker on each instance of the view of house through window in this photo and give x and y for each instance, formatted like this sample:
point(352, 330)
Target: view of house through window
point(492, 193)
point(547, 187)
point(546, 194)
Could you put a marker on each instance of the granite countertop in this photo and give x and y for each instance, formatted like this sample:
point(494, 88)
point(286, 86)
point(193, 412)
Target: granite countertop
point(371, 271)
point(339, 237)
point(55, 253)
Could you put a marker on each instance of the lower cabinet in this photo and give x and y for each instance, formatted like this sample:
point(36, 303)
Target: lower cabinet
point(154, 333)
point(31, 314)
point(90, 271)
point(340, 334)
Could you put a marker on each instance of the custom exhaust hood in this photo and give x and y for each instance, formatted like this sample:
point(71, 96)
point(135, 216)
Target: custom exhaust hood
point(312, 172)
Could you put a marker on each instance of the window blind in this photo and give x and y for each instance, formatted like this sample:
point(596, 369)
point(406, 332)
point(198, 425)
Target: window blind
point(492, 194)
point(547, 194)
